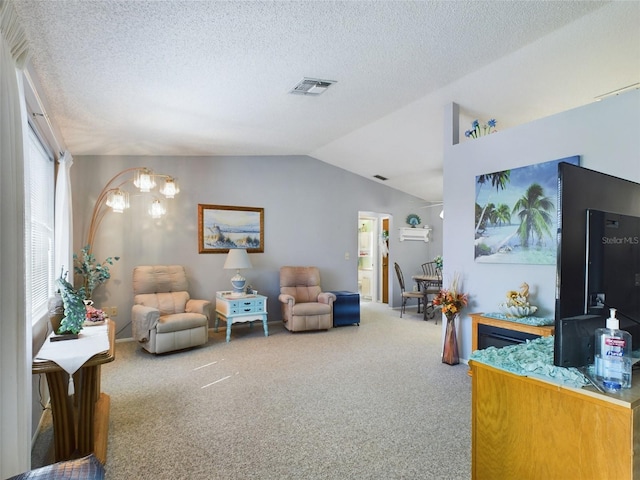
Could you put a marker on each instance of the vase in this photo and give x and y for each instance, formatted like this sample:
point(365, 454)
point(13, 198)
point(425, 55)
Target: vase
point(450, 350)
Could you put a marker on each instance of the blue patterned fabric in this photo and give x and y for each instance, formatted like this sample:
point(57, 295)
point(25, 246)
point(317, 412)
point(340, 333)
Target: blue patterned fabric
point(86, 468)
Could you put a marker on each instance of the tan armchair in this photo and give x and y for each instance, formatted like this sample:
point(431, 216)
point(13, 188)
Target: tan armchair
point(304, 305)
point(164, 317)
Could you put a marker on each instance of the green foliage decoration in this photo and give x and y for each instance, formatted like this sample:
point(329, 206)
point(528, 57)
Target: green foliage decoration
point(93, 273)
point(75, 310)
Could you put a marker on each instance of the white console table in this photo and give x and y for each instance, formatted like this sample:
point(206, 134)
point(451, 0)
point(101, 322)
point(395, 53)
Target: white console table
point(240, 308)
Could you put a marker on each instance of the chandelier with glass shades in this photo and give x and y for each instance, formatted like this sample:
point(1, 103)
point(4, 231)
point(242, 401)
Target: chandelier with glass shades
point(114, 196)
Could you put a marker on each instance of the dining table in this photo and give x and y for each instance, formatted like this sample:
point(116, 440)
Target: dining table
point(429, 285)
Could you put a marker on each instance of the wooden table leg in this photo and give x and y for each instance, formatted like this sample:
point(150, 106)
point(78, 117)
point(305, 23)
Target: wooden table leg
point(88, 393)
point(62, 413)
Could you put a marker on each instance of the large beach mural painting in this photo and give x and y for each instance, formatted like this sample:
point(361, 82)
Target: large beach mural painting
point(516, 214)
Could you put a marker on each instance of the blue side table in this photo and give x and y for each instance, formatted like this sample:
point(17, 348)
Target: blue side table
point(346, 308)
point(243, 308)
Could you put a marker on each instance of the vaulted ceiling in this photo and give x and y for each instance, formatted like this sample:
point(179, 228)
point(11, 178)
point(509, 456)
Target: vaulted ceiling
point(194, 77)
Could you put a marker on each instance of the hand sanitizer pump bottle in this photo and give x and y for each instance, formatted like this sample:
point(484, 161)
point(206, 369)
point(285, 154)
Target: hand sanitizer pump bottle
point(613, 355)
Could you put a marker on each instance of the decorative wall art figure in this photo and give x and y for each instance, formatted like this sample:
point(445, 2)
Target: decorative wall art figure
point(516, 214)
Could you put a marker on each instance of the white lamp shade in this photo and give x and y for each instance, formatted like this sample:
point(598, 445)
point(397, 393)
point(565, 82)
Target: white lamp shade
point(237, 259)
point(170, 188)
point(156, 209)
point(118, 200)
point(143, 179)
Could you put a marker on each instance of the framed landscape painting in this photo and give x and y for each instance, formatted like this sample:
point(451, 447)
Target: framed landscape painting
point(223, 227)
point(516, 214)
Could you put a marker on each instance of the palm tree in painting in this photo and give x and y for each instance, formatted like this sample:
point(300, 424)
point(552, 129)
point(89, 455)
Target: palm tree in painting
point(498, 180)
point(503, 214)
point(533, 210)
point(490, 213)
point(482, 225)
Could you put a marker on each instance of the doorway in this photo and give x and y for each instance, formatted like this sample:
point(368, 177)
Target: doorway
point(373, 258)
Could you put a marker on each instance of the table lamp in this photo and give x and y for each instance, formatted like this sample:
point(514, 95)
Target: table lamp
point(237, 259)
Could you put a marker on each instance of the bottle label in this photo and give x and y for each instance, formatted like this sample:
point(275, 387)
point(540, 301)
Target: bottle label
point(615, 342)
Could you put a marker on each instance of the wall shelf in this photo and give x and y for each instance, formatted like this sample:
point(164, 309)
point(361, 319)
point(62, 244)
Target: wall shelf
point(415, 233)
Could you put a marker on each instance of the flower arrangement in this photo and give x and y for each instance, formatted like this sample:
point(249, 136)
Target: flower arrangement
point(478, 130)
point(94, 316)
point(93, 273)
point(438, 261)
point(451, 300)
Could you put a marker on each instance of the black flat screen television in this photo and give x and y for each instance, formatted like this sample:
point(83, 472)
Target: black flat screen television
point(613, 264)
point(592, 273)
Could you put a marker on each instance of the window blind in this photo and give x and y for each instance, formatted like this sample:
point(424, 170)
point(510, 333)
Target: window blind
point(39, 188)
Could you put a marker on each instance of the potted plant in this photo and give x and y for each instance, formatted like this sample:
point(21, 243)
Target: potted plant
point(439, 262)
point(91, 272)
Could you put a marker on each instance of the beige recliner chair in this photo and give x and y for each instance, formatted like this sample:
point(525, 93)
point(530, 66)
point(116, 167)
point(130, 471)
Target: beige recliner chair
point(304, 305)
point(164, 317)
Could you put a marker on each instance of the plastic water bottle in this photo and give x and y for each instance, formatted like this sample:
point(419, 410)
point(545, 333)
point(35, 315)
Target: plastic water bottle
point(613, 355)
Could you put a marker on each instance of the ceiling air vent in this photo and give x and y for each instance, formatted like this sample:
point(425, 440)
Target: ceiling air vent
point(311, 86)
point(380, 177)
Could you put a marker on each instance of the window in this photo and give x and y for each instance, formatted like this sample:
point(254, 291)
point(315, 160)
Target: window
point(39, 232)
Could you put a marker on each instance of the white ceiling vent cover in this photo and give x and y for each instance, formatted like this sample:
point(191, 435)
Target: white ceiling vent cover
point(311, 86)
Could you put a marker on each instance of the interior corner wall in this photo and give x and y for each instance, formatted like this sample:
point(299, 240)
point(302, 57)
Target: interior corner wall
point(310, 218)
point(605, 134)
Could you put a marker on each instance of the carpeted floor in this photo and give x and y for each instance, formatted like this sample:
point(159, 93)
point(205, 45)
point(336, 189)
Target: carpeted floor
point(367, 402)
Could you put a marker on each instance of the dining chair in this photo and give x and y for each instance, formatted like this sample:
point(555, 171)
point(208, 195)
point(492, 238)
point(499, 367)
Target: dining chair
point(430, 286)
point(406, 295)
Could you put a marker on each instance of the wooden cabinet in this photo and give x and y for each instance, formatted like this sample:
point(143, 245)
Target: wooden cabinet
point(479, 318)
point(525, 428)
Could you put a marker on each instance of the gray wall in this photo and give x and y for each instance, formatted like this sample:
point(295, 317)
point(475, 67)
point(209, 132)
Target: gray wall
point(605, 134)
point(311, 218)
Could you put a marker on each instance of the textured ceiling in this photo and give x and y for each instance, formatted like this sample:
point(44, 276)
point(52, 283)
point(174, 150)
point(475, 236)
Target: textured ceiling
point(212, 77)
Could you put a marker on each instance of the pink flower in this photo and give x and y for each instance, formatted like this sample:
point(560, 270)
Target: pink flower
point(94, 314)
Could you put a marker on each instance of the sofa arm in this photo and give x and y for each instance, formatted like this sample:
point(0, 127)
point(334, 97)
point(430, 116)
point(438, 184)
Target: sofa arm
point(326, 297)
point(199, 306)
point(143, 319)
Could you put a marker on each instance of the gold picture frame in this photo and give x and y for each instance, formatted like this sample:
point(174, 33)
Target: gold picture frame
point(221, 227)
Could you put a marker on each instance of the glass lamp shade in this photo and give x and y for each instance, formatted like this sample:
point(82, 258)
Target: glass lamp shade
point(156, 209)
point(237, 259)
point(118, 200)
point(144, 180)
point(170, 188)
